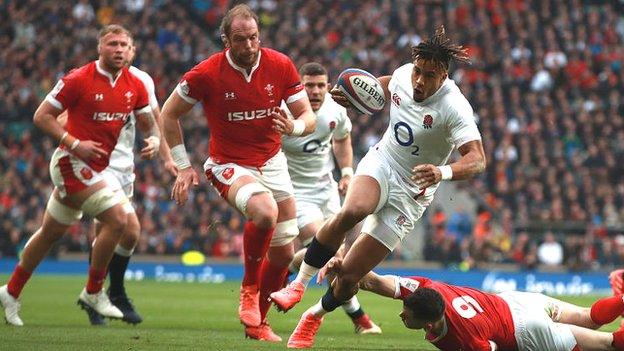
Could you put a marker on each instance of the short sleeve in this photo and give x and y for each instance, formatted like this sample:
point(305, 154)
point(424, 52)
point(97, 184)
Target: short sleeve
point(293, 89)
point(462, 126)
point(151, 91)
point(193, 85)
point(344, 124)
point(65, 93)
point(143, 103)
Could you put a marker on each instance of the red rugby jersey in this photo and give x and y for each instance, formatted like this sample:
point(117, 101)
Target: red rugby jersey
point(238, 105)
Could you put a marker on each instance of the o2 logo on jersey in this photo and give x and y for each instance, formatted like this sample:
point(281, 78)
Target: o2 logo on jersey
point(314, 145)
point(404, 135)
point(427, 122)
point(466, 306)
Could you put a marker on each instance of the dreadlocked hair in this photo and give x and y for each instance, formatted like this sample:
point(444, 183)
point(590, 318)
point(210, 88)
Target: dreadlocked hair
point(440, 49)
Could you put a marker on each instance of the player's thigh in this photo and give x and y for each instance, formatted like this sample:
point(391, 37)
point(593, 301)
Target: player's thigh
point(275, 177)
point(365, 254)
point(240, 188)
point(363, 196)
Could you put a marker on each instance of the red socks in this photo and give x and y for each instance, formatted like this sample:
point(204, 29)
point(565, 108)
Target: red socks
point(618, 340)
point(255, 245)
point(96, 280)
point(272, 278)
point(17, 281)
point(605, 311)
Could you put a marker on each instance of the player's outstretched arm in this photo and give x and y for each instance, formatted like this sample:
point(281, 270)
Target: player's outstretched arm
point(471, 163)
point(173, 109)
point(146, 122)
point(165, 150)
point(343, 152)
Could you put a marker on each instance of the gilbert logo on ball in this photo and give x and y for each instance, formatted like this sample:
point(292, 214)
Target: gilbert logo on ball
point(362, 90)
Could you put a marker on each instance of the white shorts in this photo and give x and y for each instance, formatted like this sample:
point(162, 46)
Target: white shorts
point(314, 204)
point(118, 181)
point(273, 175)
point(534, 328)
point(122, 184)
point(70, 174)
point(400, 204)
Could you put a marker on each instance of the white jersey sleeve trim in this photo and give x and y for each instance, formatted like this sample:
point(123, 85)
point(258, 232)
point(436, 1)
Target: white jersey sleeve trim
point(296, 97)
point(184, 96)
point(145, 109)
point(54, 102)
point(462, 141)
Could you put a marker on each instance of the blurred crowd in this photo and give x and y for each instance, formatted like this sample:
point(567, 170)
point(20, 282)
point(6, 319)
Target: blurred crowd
point(546, 84)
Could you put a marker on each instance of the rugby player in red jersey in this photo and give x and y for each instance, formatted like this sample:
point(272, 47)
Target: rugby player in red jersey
point(241, 89)
point(99, 97)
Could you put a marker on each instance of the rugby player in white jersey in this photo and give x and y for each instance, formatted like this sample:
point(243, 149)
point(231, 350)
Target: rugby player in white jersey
point(310, 164)
point(120, 178)
point(395, 181)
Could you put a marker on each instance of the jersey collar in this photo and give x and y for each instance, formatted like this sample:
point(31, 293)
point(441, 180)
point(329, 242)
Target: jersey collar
point(106, 74)
point(241, 69)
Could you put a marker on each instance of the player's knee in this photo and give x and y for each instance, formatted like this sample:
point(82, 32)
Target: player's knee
point(132, 231)
point(116, 222)
point(264, 216)
point(353, 214)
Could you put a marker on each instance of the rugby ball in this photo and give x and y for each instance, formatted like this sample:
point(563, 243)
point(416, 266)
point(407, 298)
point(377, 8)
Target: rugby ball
point(362, 90)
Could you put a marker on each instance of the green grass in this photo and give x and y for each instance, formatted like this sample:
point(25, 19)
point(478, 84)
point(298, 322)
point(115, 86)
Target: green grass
point(190, 316)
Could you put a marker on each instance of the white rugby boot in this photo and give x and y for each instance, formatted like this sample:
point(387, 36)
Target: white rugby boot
point(11, 307)
point(100, 303)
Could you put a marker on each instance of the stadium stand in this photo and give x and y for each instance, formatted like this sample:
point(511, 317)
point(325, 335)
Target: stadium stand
point(546, 85)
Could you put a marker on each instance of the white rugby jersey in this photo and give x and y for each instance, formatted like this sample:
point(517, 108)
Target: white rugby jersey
point(428, 131)
point(310, 157)
point(122, 157)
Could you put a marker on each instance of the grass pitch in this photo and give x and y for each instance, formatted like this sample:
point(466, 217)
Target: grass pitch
point(191, 316)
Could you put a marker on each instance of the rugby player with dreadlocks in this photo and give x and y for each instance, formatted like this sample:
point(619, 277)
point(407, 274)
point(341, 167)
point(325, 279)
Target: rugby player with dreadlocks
point(395, 181)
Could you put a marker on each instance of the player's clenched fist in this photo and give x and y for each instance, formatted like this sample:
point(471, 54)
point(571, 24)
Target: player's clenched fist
point(185, 178)
point(426, 175)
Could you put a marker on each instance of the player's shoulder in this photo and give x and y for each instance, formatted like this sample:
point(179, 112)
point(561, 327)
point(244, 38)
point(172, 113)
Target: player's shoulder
point(143, 76)
point(211, 64)
point(454, 102)
point(403, 71)
point(81, 72)
point(402, 75)
point(274, 57)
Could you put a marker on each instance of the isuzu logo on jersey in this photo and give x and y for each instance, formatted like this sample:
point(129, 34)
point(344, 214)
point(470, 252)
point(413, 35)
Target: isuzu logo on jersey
point(110, 116)
point(249, 115)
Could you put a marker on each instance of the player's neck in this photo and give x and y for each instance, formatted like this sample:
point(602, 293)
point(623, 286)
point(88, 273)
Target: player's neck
point(114, 72)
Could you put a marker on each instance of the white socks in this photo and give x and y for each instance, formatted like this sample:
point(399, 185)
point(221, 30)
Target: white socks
point(306, 272)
